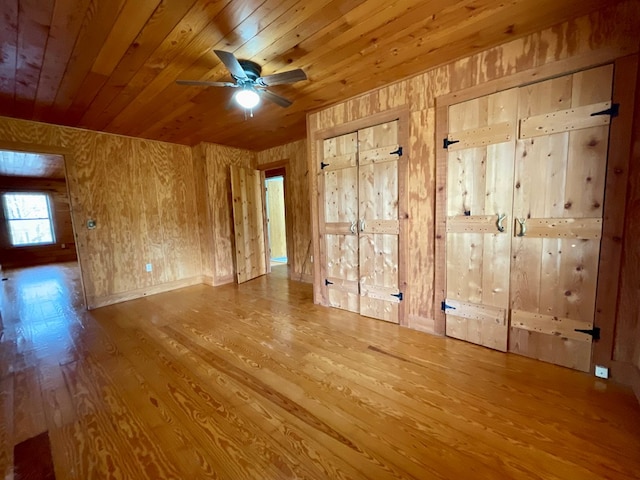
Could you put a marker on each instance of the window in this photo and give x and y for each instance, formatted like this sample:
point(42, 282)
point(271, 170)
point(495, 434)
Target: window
point(28, 218)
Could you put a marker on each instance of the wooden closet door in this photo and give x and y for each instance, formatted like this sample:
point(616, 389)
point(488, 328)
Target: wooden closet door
point(559, 191)
point(248, 221)
point(378, 221)
point(338, 221)
point(479, 193)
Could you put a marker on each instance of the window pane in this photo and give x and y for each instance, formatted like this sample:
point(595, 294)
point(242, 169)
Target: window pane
point(22, 205)
point(29, 232)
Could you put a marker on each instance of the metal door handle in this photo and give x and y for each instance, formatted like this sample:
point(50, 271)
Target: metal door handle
point(499, 222)
point(353, 226)
point(362, 224)
point(523, 227)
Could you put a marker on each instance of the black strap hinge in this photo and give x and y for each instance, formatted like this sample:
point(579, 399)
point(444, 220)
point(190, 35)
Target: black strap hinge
point(594, 332)
point(447, 142)
point(614, 111)
point(397, 152)
point(322, 165)
point(327, 282)
point(397, 295)
point(444, 306)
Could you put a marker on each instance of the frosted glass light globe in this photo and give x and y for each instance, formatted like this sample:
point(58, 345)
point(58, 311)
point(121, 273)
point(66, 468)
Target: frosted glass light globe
point(247, 98)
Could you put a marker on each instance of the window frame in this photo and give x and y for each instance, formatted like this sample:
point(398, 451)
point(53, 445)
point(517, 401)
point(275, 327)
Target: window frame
point(8, 220)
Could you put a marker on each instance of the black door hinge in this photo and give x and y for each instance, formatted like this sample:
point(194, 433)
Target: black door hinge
point(444, 306)
point(397, 295)
point(594, 332)
point(327, 282)
point(614, 111)
point(447, 142)
point(397, 152)
point(322, 165)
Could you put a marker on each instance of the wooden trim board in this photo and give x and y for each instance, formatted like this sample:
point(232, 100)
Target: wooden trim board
point(97, 302)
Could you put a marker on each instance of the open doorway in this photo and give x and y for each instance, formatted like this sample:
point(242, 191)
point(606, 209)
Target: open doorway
point(276, 218)
point(36, 228)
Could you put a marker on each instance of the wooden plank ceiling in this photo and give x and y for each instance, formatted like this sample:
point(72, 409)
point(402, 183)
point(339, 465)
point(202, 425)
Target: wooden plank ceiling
point(38, 165)
point(112, 65)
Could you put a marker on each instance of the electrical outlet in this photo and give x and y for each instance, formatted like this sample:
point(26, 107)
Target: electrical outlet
point(149, 267)
point(602, 372)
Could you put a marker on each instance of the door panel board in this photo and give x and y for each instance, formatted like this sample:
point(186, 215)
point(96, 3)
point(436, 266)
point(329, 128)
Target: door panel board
point(248, 216)
point(559, 193)
point(479, 190)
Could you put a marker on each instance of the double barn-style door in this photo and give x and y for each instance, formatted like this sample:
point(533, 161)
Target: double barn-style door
point(525, 190)
point(359, 221)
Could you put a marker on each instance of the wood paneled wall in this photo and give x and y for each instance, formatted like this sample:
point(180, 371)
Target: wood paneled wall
point(627, 339)
point(141, 194)
point(296, 204)
point(590, 40)
point(64, 248)
point(215, 217)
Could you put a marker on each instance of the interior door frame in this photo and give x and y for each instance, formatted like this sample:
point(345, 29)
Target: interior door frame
point(282, 168)
point(315, 149)
point(76, 221)
point(619, 157)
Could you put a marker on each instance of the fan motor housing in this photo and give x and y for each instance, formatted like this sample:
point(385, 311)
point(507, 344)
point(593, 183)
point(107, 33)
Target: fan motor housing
point(252, 69)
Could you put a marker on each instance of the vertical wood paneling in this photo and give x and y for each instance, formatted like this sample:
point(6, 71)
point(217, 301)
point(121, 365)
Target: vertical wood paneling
point(296, 204)
point(627, 333)
point(580, 43)
point(141, 194)
point(217, 227)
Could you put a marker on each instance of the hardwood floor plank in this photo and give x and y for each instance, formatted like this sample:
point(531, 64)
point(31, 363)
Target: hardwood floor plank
point(6, 426)
point(373, 408)
point(225, 418)
point(28, 412)
point(255, 381)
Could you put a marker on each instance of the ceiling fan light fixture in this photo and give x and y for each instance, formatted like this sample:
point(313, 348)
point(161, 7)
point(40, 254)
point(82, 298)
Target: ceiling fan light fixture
point(247, 98)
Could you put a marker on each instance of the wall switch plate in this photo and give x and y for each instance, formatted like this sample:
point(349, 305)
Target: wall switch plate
point(149, 267)
point(602, 372)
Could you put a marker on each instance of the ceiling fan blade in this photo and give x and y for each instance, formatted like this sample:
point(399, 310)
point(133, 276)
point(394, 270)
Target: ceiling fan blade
point(277, 99)
point(231, 62)
point(199, 83)
point(291, 76)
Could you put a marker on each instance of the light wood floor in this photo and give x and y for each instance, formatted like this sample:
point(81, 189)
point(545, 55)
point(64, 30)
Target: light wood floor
point(256, 382)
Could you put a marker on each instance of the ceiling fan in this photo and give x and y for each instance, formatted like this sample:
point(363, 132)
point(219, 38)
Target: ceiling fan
point(247, 78)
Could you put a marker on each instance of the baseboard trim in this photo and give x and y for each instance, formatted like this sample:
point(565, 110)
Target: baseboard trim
point(97, 302)
point(217, 281)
